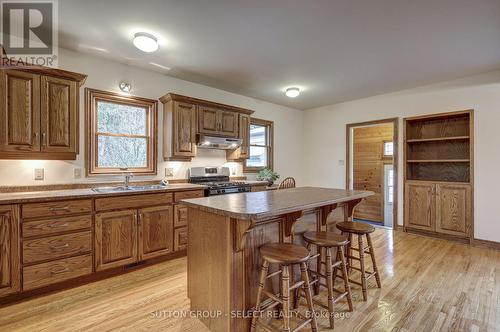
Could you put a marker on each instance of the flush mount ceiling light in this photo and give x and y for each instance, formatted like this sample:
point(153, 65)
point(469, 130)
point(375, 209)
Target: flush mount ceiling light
point(292, 92)
point(145, 42)
point(125, 87)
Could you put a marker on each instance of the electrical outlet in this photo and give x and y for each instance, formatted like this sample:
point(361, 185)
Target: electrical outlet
point(341, 162)
point(77, 172)
point(169, 171)
point(39, 173)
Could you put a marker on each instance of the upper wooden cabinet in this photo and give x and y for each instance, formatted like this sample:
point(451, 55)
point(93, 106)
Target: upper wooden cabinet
point(184, 117)
point(39, 114)
point(243, 152)
point(10, 280)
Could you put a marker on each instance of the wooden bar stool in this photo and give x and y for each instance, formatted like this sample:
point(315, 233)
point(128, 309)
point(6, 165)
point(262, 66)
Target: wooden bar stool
point(360, 229)
point(325, 242)
point(284, 254)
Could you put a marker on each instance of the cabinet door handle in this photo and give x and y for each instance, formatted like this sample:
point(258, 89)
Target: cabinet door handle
point(60, 247)
point(140, 218)
point(59, 271)
point(44, 140)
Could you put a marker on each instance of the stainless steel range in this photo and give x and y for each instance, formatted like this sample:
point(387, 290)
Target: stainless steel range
point(217, 180)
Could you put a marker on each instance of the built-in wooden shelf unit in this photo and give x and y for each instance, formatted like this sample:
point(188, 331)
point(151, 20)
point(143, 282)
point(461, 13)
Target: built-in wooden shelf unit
point(439, 175)
point(438, 147)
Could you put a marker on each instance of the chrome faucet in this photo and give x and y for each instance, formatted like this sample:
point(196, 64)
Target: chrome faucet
point(127, 179)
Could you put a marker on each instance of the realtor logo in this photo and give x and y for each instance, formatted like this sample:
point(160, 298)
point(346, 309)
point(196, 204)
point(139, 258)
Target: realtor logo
point(29, 31)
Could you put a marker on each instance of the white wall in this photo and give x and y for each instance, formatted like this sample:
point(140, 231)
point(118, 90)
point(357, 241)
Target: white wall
point(325, 135)
point(104, 74)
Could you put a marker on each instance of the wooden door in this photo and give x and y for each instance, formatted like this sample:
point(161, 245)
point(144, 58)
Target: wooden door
point(208, 120)
point(228, 123)
point(184, 130)
point(453, 209)
point(155, 231)
point(59, 115)
point(115, 239)
point(19, 111)
point(420, 205)
point(10, 279)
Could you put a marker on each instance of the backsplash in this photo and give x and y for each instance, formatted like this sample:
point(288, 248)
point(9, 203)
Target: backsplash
point(22, 172)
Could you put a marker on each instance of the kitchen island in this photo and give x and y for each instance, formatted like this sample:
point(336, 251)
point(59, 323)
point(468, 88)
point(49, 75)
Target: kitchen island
point(224, 236)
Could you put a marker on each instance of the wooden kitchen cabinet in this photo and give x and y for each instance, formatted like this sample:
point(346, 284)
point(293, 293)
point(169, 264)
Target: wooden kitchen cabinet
point(453, 209)
point(212, 121)
point(155, 231)
point(115, 239)
point(243, 152)
point(39, 114)
point(59, 115)
point(179, 125)
point(420, 204)
point(10, 259)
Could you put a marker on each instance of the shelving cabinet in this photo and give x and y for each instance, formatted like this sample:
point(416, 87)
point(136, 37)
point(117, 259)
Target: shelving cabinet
point(438, 174)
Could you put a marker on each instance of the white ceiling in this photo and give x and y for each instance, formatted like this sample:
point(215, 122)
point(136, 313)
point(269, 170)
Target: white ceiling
point(335, 50)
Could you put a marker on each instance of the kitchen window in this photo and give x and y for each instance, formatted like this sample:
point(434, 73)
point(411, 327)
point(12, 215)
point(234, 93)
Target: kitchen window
point(261, 146)
point(121, 133)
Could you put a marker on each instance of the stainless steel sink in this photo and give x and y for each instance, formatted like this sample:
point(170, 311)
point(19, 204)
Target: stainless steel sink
point(129, 188)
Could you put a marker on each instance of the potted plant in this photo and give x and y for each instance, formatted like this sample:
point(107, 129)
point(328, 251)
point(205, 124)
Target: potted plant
point(268, 175)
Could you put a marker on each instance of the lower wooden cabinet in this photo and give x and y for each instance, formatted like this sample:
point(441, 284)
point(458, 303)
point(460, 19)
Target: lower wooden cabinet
point(180, 238)
point(444, 208)
point(453, 212)
point(115, 239)
point(10, 279)
point(155, 231)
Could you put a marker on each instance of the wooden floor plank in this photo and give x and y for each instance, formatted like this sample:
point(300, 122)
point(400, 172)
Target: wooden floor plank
point(427, 285)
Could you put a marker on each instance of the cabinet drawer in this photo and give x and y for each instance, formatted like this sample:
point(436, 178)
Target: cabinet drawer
point(56, 225)
point(131, 202)
point(49, 209)
point(55, 247)
point(40, 275)
point(180, 238)
point(180, 216)
point(188, 194)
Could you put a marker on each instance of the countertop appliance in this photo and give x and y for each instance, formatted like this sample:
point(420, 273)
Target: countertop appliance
point(217, 180)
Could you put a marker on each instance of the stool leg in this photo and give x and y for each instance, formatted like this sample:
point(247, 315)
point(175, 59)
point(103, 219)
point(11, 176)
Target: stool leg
point(285, 296)
point(349, 253)
point(362, 266)
point(345, 276)
point(318, 270)
point(307, 290)
point(262, 281)
point(337, 258)
point(329, 283)
point(372, 255)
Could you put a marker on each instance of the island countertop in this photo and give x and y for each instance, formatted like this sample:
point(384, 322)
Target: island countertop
point(266, 204)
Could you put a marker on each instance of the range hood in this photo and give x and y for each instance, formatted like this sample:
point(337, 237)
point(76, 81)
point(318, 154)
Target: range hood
point(216, 142)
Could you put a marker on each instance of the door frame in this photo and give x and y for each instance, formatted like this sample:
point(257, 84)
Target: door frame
point(395, 159)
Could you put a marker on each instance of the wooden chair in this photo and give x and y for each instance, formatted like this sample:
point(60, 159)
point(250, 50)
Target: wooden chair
point(325, 242)
point(287, 183)
point(286, 255)
point(360, 229)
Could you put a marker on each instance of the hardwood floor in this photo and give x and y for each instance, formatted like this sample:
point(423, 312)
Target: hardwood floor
point(427, 285)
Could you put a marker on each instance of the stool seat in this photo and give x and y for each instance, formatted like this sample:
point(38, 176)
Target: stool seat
point(325, 239)
point(355, 227)
point(284, 253)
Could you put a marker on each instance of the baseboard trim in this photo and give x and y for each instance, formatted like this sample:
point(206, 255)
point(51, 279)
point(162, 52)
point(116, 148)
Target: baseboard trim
point(486, 244)
point(440, 236)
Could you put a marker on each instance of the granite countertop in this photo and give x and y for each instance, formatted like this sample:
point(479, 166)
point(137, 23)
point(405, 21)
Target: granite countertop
point(266, 204)
point(49, 195)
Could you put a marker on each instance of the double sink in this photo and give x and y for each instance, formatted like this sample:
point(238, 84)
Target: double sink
point(129, 188)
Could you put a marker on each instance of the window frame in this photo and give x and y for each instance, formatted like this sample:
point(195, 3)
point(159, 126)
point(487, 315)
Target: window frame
point(270, 145)
point(92, 97)
point(387, 156)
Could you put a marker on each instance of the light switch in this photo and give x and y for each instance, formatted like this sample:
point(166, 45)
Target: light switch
point(77, 172)
point(169, 171)
point(39, 173)
point(341, 162)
